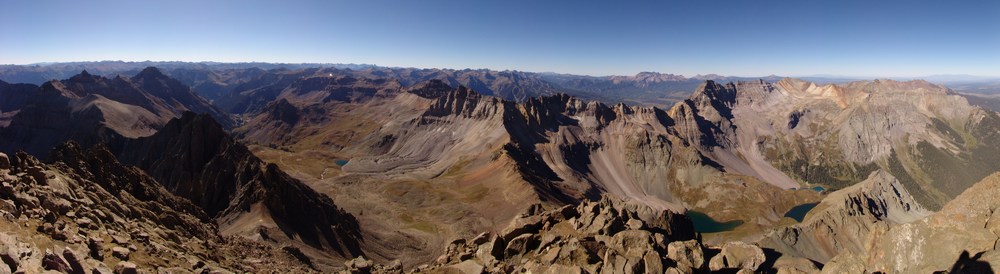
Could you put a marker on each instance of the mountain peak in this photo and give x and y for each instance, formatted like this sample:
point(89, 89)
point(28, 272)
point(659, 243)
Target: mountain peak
point(431, 88)
point(84, 76)
point(150, 72)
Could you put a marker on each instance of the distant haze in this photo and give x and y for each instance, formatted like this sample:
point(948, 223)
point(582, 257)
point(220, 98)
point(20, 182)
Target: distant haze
point(746, 38)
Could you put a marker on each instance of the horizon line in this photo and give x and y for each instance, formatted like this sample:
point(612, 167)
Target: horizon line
point(814, 75)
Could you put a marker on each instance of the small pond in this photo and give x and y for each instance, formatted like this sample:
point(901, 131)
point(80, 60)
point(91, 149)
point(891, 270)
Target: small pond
point(799, 212)
point(341, 162)
point(705, 224)
point(818, 188)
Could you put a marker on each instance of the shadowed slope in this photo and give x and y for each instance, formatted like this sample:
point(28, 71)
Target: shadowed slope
point(194, 158)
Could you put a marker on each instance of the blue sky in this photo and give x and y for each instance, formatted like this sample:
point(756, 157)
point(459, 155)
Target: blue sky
point(745, 38)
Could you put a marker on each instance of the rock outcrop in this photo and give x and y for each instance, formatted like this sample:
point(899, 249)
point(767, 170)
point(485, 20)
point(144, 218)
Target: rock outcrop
point(961, 238)
point(86, 212)
point(842, 221)
point(605, 236)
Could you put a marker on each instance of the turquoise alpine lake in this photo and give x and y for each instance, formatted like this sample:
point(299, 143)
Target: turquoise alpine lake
point(341, 162)
point(705, 224)
point(799, 212)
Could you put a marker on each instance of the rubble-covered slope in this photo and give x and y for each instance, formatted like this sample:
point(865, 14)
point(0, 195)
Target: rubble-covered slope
point(87, 213)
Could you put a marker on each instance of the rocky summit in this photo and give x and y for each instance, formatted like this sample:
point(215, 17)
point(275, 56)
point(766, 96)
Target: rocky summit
point(85, 212)
point(297, 168)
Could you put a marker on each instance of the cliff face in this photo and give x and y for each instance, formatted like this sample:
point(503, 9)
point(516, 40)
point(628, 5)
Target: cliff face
point(194, 158)
point(668, 160)
point(794, 133)
point(842, 220)
point(961, 238)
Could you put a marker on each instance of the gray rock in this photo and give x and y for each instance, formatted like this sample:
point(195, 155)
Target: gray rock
point(520, 245)
point(4, 161)
point(482, 238)
point(846, 262)
point(468, 267)
point(615, 263)
point(125, 267)
point(359, 264)
point(687, 254)
point(523, 225)
point(96, 246)
point(737, 255)
point(52, 261)
point(26, 201)
point(791, 264)
point(84, 222)
point(75, 261)
point(58, 205)
point(8, 206)
point(394, 266)
point(634, 224)
point(632, 243)
point(6, 189)
point(120, 252)
point(38, 173)
point(563, 269)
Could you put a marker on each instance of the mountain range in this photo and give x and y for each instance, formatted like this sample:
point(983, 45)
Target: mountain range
point(363, 168)
point(212, 80)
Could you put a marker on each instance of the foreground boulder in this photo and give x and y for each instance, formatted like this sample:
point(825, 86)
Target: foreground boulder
point(605, 236)
point(738, 255)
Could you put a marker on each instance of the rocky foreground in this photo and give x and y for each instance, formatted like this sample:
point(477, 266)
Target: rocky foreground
point(613, 236)
point(87, 213)
point(605, 236)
